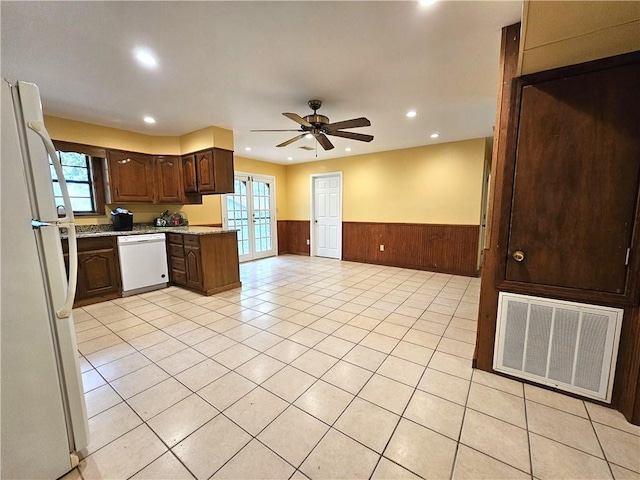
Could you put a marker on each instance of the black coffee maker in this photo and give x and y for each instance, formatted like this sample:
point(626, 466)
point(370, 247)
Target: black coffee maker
point(122, 220)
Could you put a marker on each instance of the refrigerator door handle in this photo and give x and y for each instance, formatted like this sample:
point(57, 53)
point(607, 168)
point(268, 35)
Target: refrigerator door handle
point(66, 222)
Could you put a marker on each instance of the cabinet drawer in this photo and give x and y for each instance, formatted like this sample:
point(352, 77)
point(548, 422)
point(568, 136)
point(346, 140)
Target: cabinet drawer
point(175, 238)
point(175, 250)
point(191, 240)
point(88, 244)
point(177, 263)
point(178, 277)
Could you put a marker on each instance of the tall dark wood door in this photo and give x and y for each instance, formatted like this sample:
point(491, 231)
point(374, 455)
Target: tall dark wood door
point(576, 181)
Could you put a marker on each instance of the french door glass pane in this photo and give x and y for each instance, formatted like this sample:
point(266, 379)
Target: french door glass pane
point(261, 215)
point(238, 215)
point(249, 212)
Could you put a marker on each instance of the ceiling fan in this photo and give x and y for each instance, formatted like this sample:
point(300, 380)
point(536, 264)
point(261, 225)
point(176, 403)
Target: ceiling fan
point(319, 127)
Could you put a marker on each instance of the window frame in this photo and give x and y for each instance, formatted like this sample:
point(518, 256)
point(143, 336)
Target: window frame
point(96, 168)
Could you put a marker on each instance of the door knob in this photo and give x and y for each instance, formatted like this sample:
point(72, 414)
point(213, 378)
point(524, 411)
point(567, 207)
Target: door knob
point(518, 255)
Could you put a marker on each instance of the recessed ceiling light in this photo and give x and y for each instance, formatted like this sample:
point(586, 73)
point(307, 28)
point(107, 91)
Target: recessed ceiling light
point(149, 120)
point(435, 135)
point(426, 3)
point(308, 135)
point(411, 113)
point(146, 58)
point(289, 158)
point(348, 149)
point(248, 149)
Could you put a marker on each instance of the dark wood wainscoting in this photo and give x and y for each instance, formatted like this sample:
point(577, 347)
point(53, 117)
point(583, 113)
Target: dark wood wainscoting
point(293, 236)
point(439, 248)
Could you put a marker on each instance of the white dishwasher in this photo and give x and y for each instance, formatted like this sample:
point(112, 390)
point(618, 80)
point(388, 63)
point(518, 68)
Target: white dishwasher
point(143, 263)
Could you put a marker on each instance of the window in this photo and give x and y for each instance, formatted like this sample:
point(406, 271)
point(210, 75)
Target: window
point(83, 169)
point(76, 168)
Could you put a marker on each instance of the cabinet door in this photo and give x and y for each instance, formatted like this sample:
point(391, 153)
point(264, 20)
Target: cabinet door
point(576, 181)
point(131, 177)
point(189, 174)
point(169, 179)
point(223, 170)
point(204, 171)
point(193, 264)
point(97, 273)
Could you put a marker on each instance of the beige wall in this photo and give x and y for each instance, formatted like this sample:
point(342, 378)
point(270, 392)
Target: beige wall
point(90, 134)
point(431, 184)
point(279, 172)
point(438, 184)
point(559, 33)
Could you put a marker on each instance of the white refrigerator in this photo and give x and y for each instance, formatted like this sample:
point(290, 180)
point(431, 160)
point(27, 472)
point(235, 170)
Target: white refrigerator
point(44, 420)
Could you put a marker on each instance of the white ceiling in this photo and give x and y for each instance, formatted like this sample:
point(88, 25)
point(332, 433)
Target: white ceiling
point(239, 65)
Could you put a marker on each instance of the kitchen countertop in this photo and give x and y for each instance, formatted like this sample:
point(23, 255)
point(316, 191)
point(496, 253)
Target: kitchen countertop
point(90, 231)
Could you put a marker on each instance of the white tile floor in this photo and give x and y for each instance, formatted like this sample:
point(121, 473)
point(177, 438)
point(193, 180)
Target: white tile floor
point(324, 369)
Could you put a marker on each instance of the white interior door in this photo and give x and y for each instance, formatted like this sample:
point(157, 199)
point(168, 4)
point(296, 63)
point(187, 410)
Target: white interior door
point(327, 215)
point(251, 211)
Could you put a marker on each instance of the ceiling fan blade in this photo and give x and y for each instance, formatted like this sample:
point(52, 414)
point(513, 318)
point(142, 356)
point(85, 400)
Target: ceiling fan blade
point(291, 140)
point(298, 119)
point(323, 140)
point(276, 130)
point(353, 136)
point(353, 123)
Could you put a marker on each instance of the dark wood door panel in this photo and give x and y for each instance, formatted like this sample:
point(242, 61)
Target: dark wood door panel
point(189, 168)
point(223, 170)
point(97, 273)
point(204, 172)
point(576, 180)
point(131, 177)
point(169, 179)
point(193, 264)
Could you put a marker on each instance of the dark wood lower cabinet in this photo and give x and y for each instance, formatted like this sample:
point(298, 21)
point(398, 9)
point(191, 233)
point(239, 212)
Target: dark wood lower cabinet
point(98, 270)
point(205, 263)
point(193, 265)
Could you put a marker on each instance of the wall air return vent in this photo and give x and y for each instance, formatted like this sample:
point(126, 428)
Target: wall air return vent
point(567, 345)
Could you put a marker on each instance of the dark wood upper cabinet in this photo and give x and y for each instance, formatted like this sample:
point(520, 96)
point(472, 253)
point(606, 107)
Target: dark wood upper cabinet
point(204, 171)
point(189, 173)
point(131, 177)
point(214, 171)
point(223, 170)
point(169, 179)
point(575, 192)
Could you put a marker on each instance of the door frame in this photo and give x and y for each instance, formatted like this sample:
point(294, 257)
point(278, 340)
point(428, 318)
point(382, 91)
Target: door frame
point(274, 220)
point(312, 231)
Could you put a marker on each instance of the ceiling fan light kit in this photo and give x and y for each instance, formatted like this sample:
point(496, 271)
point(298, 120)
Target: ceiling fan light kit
point(319, 127)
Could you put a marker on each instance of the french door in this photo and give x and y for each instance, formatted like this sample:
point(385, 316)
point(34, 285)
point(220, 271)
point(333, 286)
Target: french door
point(251, 211)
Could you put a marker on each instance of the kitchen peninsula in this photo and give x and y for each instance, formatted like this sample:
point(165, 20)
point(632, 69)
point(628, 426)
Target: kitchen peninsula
point(202, 259)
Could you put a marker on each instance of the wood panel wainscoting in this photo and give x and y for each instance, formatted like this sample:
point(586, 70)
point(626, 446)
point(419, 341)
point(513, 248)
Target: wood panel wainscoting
point(293, 236)
point(440, 248)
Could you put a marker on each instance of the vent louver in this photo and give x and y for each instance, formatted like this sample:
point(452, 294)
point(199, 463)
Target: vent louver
point(570, 346)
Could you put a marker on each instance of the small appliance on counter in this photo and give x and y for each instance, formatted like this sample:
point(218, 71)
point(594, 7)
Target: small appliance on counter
point(122, 220)
point(176, 219)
